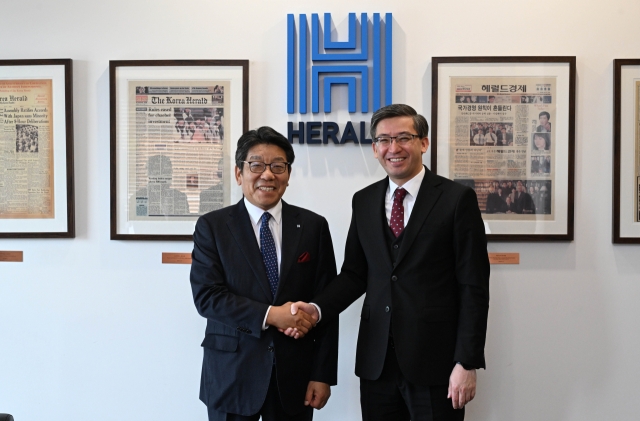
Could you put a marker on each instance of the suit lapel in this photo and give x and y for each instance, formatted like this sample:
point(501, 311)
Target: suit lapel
point(239, 224)
point(292, 229)
point(377, 220)
point(427, 197)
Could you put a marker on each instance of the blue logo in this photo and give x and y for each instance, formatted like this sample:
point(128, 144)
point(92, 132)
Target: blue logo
point(339, 62)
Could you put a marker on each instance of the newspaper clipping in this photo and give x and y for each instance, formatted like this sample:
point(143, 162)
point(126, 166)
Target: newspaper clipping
point(177, 149)
point(503, 142)
point(637, 156)
point(26, 149)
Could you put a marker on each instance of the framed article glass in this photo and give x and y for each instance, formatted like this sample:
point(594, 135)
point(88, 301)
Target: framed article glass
point(626, 151)
point(505, 126)
point(36, 155)
point(171, 124)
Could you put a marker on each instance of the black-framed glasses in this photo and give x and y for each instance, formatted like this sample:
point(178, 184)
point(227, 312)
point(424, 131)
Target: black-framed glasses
point(401, 139)
point(259, 167)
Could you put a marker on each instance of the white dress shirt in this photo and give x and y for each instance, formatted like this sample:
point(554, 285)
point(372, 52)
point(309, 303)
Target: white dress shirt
point(275, 225)
point(412, 187)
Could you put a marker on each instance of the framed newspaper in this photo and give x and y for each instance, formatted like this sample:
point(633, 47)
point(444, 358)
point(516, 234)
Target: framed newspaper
point(626, 151)
point(171, 124)
point(505, 126)
point(36, 149)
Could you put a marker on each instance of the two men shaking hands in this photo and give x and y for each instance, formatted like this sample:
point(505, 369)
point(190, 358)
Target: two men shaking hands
point(416, 246)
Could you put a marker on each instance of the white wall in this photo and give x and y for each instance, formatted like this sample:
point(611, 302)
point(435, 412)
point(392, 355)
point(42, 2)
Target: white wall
point(93, 329)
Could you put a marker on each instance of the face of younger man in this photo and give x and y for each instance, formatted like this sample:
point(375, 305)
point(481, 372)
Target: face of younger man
point(400, 162)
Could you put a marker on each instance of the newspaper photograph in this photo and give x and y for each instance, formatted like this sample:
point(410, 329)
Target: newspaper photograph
point(26, 149)
point(637, 156)
point(502, 144)
point(177, 149)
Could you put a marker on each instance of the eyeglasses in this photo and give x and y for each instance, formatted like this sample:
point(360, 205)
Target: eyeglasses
point(259, 167)
point(402, 139)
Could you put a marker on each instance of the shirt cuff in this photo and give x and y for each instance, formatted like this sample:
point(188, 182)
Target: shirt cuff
point(319, 311)
point(264, 322)
point(466, 366)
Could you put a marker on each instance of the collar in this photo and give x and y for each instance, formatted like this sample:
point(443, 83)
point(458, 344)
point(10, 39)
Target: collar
point(412, 186)
point(255, 213)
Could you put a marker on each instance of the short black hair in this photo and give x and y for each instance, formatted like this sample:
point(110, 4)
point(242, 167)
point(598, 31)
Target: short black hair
point(263, 136)
point(400, 110)
point(545, 113)
point(547, 140)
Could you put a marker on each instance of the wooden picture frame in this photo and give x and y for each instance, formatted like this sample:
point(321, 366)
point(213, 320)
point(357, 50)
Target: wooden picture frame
point(37, 176)
point(171, 124)
point(524, 110)
point(626, 151)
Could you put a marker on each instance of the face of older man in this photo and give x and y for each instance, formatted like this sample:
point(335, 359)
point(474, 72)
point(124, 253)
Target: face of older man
point(265, 189)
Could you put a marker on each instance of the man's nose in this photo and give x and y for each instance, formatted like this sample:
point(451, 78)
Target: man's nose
point(267, 174)
point(394, 146)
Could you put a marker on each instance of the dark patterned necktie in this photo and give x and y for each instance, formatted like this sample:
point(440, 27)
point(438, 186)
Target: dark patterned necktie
point(396, 223)
point(268, 250)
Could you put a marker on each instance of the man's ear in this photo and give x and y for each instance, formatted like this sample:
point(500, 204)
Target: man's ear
point(238, 175)
point(425, 144)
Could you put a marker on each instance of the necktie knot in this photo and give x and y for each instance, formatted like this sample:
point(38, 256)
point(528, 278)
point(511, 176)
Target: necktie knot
point(399, 194)
point(265, 218)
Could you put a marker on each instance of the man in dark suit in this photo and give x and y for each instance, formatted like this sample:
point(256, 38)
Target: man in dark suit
point(495, 204)
point(523, 201)
point(250, 261)
point(424, 317)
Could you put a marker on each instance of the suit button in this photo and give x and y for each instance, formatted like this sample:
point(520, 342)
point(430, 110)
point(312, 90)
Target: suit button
point(270, 348)
point(394, 278)
point(387, 309)
point(395, 246)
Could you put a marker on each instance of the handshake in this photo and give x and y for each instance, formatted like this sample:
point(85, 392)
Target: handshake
point(293, 319)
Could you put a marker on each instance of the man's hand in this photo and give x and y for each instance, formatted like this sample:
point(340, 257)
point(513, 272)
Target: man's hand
point(317, 395)
point(309, 309)
point(462, 386)
point(282, 317)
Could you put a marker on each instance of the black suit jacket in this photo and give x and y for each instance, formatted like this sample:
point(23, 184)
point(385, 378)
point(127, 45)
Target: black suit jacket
point(434, 300)
point(231, 290)
point(524, 203)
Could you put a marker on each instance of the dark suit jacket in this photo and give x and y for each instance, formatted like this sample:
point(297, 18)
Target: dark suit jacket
point(434, 300)
point(524, 203)
point(495, 204)
point(231, 290)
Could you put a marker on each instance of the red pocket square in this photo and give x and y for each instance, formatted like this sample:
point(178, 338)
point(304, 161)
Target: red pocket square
point(304, 257)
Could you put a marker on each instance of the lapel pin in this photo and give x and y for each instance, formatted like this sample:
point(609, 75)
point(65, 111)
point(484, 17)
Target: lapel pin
point(298, 225)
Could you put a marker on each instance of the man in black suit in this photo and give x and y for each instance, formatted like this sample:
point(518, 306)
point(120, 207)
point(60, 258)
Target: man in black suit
point(424, 317)
point(523, 201)
point(495, 204)
point(250, 261)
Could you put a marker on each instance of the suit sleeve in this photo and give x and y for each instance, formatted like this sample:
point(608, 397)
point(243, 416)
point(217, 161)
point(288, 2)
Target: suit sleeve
point(352, 281)
point(211, 295)
point(472, 273)
point(325, 364)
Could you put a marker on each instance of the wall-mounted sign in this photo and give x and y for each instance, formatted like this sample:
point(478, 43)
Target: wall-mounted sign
point(363, 63)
